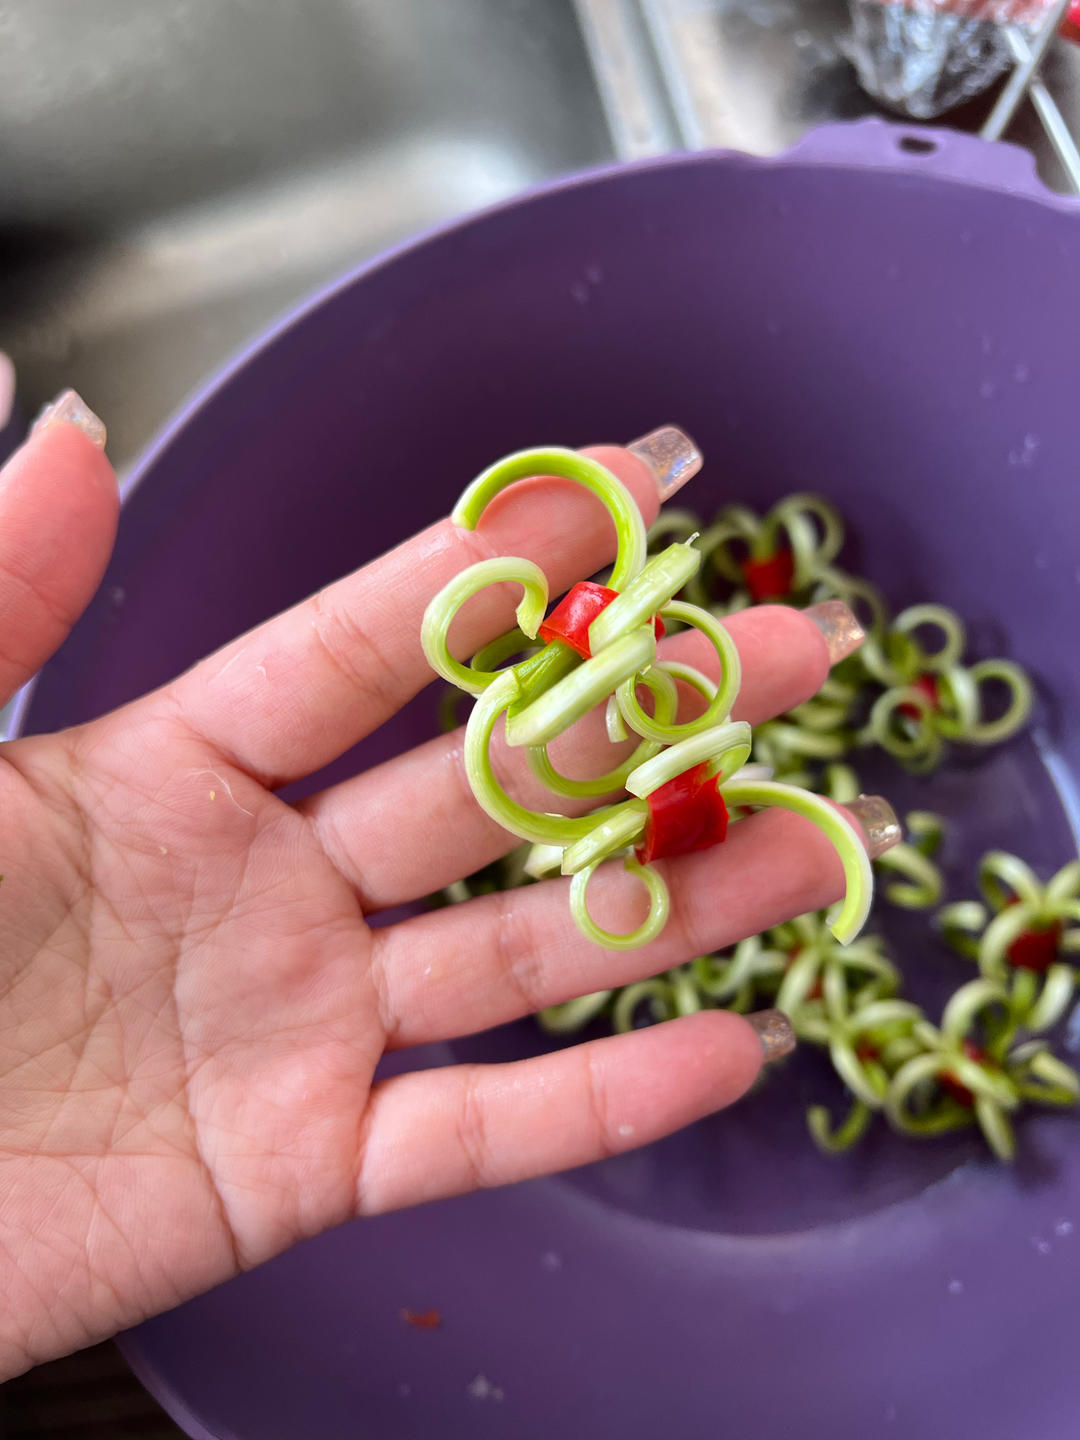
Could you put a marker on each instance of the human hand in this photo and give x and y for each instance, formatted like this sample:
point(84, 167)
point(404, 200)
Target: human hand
point(192, 1005)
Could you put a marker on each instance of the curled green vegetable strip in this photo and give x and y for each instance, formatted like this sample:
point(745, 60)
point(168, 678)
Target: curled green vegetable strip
point(623, 828)
point(532, 825)
point(574, 1015)
point(848, 1133)
point(439, 615)
point(565, 465)
point(919, 883)
point(663, 690)
point(659, 908)
point(649, 593)
point(722, 698)
point(725, 747)
point(849, 845)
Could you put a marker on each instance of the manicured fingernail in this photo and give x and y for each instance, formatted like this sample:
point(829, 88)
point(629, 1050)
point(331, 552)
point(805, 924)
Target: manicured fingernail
point(837, 622)
point(879, 822)
point(775, 1031)
point(671, 456)
point(69, 408)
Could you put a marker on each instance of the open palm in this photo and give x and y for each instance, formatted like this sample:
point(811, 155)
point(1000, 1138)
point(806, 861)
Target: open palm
point(192, 1006)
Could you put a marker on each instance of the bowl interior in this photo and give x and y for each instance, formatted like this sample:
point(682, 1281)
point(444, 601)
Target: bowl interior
point(905, 347)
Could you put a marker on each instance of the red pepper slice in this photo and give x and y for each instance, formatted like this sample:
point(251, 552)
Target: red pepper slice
point(685, 814)
point(575, 612)
point(929, 687)
point(770, 578)
point(960, 1093)
point(1036, 949)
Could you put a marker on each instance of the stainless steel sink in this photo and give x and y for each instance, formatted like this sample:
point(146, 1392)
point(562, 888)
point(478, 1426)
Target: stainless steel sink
point(176, 174)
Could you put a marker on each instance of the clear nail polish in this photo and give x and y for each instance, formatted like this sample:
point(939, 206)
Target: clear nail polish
point(837, 622)
point(671, 455)
point(775, 1031)
point(69, 408)
point(879, 823)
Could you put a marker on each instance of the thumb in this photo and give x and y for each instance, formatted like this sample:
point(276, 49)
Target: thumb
point(58, 513)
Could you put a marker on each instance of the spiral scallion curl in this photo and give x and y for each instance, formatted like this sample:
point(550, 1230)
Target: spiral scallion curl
point(649, 929)
point(631, 545)
point(803, 531)
point(916, 882)
point(850, 915)
point(1022, 934)
point(975, 1069)
point(439, 616)
point(929, 696)
point(609, 651)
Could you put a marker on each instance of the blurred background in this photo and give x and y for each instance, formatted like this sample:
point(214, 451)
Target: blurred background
point(176, 175)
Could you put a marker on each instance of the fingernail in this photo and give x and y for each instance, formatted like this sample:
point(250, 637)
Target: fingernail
point(837, 622)
point(671, 455)
point(69, 408)
point(879, 822)
point(775, 1032)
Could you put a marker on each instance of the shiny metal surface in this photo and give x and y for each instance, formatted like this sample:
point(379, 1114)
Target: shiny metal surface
point(174, 175)
point(754, 75)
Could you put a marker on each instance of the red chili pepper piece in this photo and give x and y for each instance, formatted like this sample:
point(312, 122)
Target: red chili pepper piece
point(575, 612)
point(865, 1051)
point(1036, 949)
point(422, 1319)
point(687, 813)
point(960, 1093)
point(929, 687)
point(770, 578)
point(1071, 27)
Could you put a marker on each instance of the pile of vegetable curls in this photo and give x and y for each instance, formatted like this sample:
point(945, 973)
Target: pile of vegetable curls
point(910, 693)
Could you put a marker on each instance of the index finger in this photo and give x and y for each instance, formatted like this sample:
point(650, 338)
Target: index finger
point(293, 694)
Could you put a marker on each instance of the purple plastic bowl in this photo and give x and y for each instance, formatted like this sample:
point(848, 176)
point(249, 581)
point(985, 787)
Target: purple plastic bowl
point(897, 330)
